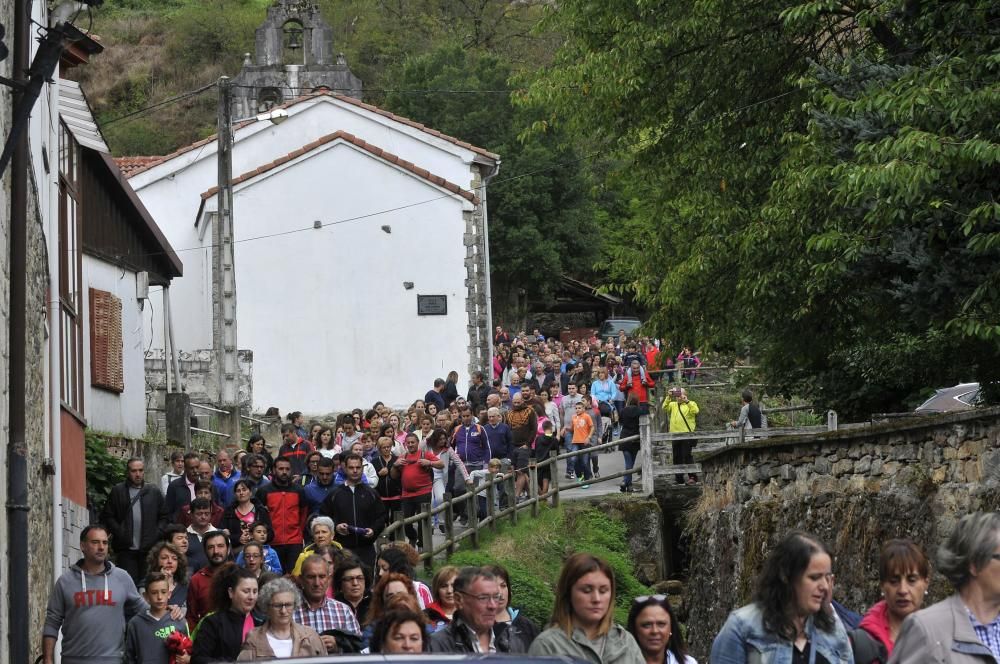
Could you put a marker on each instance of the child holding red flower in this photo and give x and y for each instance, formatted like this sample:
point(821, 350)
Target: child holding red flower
point(153, 637)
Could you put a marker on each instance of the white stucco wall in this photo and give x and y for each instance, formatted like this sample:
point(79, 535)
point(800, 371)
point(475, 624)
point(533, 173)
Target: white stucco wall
point(171, 191)
point(325, 311)
point(123, 413)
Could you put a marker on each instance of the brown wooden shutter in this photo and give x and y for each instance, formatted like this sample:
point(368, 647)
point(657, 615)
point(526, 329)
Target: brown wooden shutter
point(106, 341)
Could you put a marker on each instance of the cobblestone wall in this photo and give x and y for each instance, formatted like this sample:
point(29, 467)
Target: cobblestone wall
point(853, 488)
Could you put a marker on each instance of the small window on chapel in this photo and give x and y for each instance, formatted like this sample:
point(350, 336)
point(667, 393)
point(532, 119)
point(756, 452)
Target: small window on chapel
point(293, 51)
point(268, 98)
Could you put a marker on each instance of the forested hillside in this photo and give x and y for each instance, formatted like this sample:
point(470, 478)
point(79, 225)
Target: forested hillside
point(811, 182)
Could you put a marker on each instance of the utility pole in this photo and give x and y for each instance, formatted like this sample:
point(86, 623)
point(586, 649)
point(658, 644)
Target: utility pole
point(223, 261)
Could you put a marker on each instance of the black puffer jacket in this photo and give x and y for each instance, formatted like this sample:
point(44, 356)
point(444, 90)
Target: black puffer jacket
point(457, 638)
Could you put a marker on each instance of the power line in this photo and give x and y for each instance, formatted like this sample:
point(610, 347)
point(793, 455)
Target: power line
point(159, 104)
point(453, 91)
point(512, 178)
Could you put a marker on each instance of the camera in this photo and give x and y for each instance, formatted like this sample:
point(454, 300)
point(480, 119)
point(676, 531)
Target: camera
point(357, 530)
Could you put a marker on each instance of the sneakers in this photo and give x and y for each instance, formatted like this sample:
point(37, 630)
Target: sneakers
point(585, 486)
point(571, 476)
point(442, 529)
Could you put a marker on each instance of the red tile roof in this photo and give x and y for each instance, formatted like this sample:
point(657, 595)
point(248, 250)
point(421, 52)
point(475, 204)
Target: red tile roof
point(374, 150)
point(154, 161)
point(128, 165)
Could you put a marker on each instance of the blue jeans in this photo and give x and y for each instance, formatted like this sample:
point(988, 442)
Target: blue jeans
point(582, 464)
point(629, 465)
point(568, 441)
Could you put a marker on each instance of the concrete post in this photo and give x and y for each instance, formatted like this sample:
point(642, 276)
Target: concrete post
point(233, 426)
point(179, 419)
point(646, 454)
point(831, 420)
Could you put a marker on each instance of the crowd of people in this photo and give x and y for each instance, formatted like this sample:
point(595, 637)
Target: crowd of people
point(274, 555)
point(336, 604)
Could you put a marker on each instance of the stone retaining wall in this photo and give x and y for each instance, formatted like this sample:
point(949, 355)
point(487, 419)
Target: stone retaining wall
point(854, 488)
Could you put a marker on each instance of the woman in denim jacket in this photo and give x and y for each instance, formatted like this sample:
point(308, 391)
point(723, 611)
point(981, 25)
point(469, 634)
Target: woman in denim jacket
point(790, 619)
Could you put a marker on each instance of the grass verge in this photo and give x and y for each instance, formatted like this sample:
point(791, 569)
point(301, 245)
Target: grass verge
point(534, 549)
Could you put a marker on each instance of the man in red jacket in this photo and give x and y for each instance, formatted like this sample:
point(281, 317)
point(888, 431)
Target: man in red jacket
point(199, 602)
point(285, 500)
point(638, 381)
point(295, 449)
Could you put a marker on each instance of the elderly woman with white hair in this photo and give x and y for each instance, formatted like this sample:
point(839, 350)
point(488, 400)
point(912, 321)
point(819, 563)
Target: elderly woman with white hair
point(965, 627)
point(322, 529)
point(280, 636)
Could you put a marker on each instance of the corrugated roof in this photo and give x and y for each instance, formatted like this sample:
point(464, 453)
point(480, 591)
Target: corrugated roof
point(75, 112)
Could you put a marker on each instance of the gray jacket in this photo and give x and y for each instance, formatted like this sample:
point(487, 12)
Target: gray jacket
point(940, 633)
point(617, 647)
point(146, 638)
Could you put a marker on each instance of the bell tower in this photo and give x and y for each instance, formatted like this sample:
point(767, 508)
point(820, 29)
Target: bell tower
point(294, 56)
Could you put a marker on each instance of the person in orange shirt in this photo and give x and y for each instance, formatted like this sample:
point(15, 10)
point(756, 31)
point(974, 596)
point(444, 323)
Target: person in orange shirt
point(582, 427)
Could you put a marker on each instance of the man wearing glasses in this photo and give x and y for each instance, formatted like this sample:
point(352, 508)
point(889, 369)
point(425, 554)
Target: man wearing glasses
point(474, 628)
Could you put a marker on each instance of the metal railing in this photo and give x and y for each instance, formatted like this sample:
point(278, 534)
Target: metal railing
point(646, 468)
point(494, 513)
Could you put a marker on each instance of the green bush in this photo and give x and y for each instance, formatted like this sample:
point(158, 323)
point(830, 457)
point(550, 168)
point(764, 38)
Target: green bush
point(104, 470)
point(533, 552)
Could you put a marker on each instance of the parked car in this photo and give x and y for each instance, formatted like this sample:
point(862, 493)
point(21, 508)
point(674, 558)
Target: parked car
point(964, 396)
point(612, 326)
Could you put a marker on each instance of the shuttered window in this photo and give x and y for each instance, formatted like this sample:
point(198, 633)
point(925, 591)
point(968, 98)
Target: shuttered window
point(106, 341)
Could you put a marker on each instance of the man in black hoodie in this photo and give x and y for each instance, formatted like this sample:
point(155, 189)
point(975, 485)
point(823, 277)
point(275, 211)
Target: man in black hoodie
point(135, 516)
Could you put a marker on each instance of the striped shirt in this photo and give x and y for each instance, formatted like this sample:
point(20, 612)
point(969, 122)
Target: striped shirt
point(331, 614)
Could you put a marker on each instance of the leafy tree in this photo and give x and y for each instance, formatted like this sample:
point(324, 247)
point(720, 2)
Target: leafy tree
point(813, 180)
point(541, 222)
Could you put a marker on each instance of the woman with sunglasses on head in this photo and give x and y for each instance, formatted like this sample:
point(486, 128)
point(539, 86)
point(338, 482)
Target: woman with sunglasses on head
point(790, 619)
point(583, 619)
point(651, 621)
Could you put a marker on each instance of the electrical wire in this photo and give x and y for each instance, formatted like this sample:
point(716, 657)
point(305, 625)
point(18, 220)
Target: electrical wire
point(592, 155)
point(159, 104)
point(295, 91)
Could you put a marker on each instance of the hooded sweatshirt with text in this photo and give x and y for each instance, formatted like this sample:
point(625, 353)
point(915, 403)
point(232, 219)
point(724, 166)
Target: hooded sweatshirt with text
point(92, 610)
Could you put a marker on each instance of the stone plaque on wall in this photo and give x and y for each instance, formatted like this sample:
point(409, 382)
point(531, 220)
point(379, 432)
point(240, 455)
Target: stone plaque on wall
point(432, 305)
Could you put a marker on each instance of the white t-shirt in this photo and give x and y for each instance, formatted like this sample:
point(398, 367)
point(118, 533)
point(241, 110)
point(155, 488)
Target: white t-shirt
point(281, 647)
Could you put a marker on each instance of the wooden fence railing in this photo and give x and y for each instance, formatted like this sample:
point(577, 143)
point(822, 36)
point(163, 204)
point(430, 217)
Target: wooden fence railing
point(651, 460)
point(445, 512)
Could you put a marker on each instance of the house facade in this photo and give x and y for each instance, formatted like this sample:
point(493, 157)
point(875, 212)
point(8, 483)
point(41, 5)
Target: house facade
point(360, 252)
point(89, 250)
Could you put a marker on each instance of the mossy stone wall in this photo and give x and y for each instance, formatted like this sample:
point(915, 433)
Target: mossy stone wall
point(855, 489)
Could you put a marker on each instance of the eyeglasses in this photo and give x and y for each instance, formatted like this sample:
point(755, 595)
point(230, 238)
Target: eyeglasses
point(360, 578)
point(484, 599)
point(645, 598)
point(283, 606)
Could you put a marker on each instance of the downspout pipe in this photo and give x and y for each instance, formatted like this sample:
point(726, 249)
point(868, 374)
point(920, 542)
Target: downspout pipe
point(17, 452)
point(55, 344)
